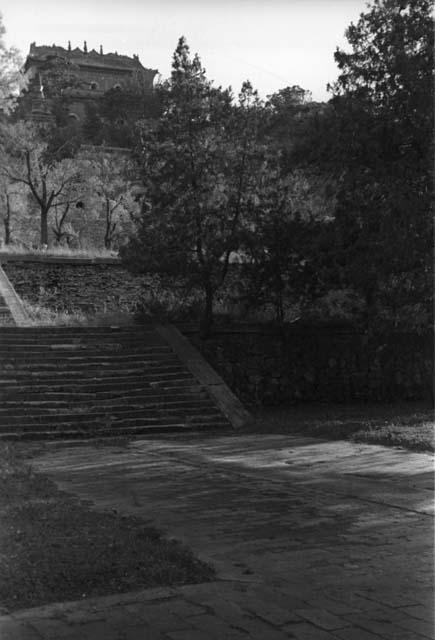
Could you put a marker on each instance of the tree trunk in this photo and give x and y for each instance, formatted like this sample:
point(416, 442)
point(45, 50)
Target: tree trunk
point(58, 235)
point(58, 224)
point(279, 298)
point(108, 233)
point(370, 301)
point(207, 317)
point(44, 226)
point(7, 221)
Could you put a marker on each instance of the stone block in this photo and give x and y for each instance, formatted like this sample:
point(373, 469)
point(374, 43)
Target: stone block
point(12, 630)
point(322, 618)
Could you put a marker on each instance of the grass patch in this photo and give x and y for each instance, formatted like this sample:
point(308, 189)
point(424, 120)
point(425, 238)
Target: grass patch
point(42, 316)
point(54, 547)
point(89, 253)
point(410, 426)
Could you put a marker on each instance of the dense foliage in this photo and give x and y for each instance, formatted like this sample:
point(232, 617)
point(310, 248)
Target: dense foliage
point(10, 62)
point(111, 120)
point(383, 148)
point(215, 193)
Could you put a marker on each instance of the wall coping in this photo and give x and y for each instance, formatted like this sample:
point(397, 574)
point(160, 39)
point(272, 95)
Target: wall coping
point(289, 329)
point(224, 398)
point(256, 328)
point(52, 259)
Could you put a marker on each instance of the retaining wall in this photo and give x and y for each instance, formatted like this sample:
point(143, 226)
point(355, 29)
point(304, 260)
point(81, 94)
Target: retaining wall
point(73, 284)
point(267, 365)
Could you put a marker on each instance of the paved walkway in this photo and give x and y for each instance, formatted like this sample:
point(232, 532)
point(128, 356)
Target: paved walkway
point(311, 540)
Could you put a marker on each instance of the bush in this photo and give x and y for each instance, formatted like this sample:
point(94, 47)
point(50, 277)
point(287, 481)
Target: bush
point(166, 300)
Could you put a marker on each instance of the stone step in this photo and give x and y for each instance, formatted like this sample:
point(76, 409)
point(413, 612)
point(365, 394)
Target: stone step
point(64, 332)
point(127, 329)
point(27, 334)
point(104, 368)
point(97, 375)
point(81, 414)
point(53, 359)
point(27, 407)
point(96, 356)
point(110, 390)
point(23, 406)
point(128, 432)
point(113, 424)
point(96, 359)
point(150, 417)
point(92, 330)
point(77, 343)
point(51, 334)
point(149, 395)
point(63, 344)
point(48, 378)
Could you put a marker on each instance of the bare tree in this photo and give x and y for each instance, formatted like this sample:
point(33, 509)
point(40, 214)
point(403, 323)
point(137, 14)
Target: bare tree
point(25, 159)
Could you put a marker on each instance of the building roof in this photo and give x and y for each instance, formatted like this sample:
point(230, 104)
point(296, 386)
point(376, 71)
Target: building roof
point(84, 58)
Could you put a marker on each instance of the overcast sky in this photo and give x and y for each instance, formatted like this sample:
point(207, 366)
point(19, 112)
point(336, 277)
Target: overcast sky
point(273, 43)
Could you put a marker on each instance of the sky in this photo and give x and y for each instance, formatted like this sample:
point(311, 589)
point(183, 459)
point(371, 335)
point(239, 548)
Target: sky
point(273, 43)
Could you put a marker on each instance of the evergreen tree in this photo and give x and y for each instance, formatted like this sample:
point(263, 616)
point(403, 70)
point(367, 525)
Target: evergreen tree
point(201, 164)
point(377, 138)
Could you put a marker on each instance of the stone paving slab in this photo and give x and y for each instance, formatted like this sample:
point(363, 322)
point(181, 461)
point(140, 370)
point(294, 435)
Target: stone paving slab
point(311, 540)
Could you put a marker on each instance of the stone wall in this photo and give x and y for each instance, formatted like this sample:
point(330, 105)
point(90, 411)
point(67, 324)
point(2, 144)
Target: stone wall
point(73, 284)
point(266, 365)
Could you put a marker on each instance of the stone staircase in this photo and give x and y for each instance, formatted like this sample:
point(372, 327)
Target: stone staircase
point(74, 382)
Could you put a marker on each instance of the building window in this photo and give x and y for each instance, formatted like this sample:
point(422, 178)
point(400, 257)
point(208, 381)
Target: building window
point(117, 86)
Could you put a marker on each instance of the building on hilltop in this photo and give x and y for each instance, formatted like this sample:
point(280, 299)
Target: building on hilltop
point(87, 77)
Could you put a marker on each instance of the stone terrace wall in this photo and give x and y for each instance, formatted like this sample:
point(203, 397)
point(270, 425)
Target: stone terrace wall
point(72, 284)
point(266, 365)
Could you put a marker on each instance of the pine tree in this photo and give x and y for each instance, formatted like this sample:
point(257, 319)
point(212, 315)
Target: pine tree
point(201, 164)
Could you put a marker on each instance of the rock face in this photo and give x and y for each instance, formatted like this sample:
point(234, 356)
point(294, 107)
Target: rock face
point(82, 382)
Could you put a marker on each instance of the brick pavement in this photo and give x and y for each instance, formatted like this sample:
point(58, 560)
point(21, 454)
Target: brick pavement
point(311, 540)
